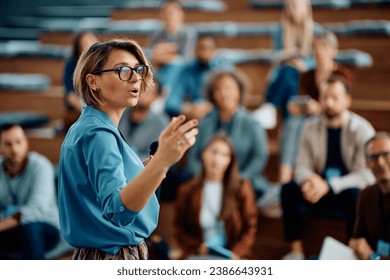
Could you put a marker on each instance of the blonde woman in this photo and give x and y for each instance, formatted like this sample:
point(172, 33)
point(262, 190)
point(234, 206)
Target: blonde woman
point(293, 44)
point(107, 199)
point(296, 32)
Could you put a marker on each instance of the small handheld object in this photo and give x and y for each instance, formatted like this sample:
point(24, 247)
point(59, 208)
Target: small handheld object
point(153, 148)
point(300, 99)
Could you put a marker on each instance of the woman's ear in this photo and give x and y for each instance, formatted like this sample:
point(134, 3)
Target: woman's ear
point(92, 82)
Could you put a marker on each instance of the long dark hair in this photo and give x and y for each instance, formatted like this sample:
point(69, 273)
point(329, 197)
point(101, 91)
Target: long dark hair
point(231, 179)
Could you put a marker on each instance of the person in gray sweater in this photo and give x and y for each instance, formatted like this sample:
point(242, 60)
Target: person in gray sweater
point(330, 168)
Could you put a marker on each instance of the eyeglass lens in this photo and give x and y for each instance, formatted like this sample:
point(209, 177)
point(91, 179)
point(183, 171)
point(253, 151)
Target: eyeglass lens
point(126, 73)
point(375, 157)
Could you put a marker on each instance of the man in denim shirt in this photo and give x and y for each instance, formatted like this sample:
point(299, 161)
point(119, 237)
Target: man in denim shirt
point(29, 224)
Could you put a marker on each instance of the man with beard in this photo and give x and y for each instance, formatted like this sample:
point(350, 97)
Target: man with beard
point(371, 236)
point(330, 168)
point(29, 223)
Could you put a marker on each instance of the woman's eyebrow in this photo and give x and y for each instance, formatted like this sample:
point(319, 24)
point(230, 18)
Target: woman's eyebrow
point(125, 64)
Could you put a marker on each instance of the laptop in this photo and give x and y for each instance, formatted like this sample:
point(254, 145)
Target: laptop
point(333, 249)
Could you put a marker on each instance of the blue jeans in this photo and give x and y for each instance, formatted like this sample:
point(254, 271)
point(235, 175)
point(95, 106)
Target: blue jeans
point(284, 84)
point(28, 241)
point(291, 136)
point(342, 205)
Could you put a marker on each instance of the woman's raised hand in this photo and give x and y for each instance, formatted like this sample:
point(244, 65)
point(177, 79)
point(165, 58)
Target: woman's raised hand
point(176, 139)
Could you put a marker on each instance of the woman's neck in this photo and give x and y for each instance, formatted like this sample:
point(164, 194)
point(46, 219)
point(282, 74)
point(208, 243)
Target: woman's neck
point(226, 115)
point(114, 114)
point(213, 177)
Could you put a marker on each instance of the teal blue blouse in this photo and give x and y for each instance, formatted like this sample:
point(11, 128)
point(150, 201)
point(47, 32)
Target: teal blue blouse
point(95, 164)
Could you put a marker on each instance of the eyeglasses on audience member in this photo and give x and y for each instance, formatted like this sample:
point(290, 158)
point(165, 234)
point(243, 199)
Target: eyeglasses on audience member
point(375, 157)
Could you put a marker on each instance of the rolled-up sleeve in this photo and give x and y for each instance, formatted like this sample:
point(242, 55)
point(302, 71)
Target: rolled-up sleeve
point(104, 161)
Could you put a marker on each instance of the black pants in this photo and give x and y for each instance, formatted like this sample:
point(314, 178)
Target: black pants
point(28, 242)
point(294, 206)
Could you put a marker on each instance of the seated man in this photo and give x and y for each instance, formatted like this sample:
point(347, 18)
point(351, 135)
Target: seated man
point(330, 169)
point(29, 224)
point(371, 236)
point(187, 97)
point(305, 104)
point(172, 45)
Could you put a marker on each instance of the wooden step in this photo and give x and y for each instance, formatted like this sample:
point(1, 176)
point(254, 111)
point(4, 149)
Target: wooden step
point(49, 102)
point(52, 67)
point(50, 147)
point(240, 14)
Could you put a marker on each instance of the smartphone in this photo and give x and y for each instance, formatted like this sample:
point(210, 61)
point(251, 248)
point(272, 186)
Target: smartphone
point(300, 99)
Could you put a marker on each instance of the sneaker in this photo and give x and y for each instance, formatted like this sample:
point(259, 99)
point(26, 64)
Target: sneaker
point(294, 256)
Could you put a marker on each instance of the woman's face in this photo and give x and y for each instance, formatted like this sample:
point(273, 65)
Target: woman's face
point(323, 52)
point(216, 158)
point(115, 92)
point(173, 16)
point(87, 40)
point(227, 94)
point(298, 10)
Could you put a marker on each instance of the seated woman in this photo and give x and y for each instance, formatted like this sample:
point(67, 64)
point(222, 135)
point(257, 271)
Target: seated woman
point(216, 212)
point(293, 43)
point(81, 42)
point(225, 90)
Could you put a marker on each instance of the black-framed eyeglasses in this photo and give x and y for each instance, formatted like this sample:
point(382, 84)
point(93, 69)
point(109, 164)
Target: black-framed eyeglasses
point(375, 157)
point(125, 73)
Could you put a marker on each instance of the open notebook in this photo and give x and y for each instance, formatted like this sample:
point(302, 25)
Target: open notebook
point(333, 249)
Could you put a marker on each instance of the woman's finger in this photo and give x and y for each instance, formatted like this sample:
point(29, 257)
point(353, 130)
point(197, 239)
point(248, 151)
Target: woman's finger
point(190, 136)
point(184, 128)
point(174, 124)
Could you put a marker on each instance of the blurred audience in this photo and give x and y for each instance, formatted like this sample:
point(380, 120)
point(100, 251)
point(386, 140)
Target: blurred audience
point(225, 90)
point(371, 236)
point(330, 169)
point(187, 96)
point(216, 213)
point(306, 104)
point(81, 42)
point(172, 45)
point(29, 223)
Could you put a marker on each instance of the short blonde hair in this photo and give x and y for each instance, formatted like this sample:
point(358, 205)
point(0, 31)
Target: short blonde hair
point(94, 60)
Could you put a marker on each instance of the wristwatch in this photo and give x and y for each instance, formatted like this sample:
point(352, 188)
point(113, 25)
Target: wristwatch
point(374, 256)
